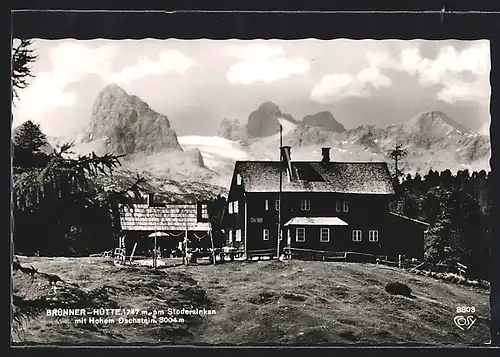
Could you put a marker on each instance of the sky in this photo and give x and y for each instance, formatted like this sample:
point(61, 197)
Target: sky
point(197, 83)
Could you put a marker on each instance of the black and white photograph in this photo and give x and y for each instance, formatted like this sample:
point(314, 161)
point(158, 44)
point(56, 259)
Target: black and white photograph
point(251, 192)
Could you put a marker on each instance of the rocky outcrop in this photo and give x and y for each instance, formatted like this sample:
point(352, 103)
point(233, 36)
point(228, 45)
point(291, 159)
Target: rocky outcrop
point(265, 120)
point(196, 157)
point(324, 120)
point(305, 135)
point(232, 129)
point(128, 125)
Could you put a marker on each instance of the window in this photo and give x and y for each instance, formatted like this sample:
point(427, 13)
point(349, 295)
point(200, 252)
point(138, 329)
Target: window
point(265, 234)
point(337, 206)
point(356, 235)
point(300, 235)
point(266, 205)
point(204, 211)
point(238, 235)
point(324, 235)
point(373, 235)
point(230, 236)
point(238, 179)
point(277, 205)
point(305, 205)
point(230, 208)
point(235, 203)
point(345, 206)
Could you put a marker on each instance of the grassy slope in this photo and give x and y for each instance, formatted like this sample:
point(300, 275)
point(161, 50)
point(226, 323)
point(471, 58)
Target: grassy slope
point(265, 302)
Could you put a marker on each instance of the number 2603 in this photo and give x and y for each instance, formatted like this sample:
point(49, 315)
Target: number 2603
point(464, 309)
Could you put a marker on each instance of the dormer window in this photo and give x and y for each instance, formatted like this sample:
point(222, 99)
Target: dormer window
point(338, 206)
point(345, 206)
point(305, 205)
point(238, 179)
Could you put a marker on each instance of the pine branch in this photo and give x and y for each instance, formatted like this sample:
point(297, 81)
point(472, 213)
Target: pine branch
point(22, 57)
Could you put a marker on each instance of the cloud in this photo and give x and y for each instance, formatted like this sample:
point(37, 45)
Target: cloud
point(73, 62)
point(168, 61)
point(485, 129)
point(456, 90)
point(379, 59)
point(448, 69)
point(70, 63)
point(372, 76)
point(263, 63)
point(334, 87)
point(462, 73)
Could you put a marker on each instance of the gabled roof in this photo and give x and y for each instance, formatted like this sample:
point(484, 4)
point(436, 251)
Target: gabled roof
point(316, 221)
point(169, 217)
point(340, 177)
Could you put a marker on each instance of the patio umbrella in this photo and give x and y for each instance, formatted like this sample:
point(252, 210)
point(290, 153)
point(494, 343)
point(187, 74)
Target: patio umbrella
point(156, 235)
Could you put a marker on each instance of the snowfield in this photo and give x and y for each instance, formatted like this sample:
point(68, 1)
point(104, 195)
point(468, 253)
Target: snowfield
point(287, 125)
point(216, 151)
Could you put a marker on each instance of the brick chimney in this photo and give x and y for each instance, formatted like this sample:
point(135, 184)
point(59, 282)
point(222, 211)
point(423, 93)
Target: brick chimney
point(325, 152)
point(150, 199)
point(286, 152)
point(286, 158)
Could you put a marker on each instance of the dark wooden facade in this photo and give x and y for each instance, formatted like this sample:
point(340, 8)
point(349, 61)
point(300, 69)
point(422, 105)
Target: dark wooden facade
point(253, 225)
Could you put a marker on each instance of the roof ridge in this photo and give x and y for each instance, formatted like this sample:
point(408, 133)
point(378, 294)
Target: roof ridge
point(409, 218)
point(358, 177)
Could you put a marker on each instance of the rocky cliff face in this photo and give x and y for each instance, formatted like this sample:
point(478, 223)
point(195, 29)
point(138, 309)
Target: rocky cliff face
point(196, 157)
point(433, 141)
point(128, 125)
point(323, 120)
point(265, 120)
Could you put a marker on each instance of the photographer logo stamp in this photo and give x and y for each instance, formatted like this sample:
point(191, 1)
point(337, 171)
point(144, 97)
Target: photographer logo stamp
point(464, 321)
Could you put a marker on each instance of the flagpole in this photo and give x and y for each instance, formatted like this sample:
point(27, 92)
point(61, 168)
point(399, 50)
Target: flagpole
point(155, 256)
point(279, 194)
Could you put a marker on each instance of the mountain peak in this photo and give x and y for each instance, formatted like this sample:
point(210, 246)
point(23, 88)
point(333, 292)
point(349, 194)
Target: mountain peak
point(435, 118)
point(114, 89)
point(128, 124)
point(324, 120)
point(268, 105)
point(264, 121)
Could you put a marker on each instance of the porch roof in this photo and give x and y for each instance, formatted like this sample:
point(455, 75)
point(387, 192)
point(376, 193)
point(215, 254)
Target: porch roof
point(316, 221)
point(170, 217)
